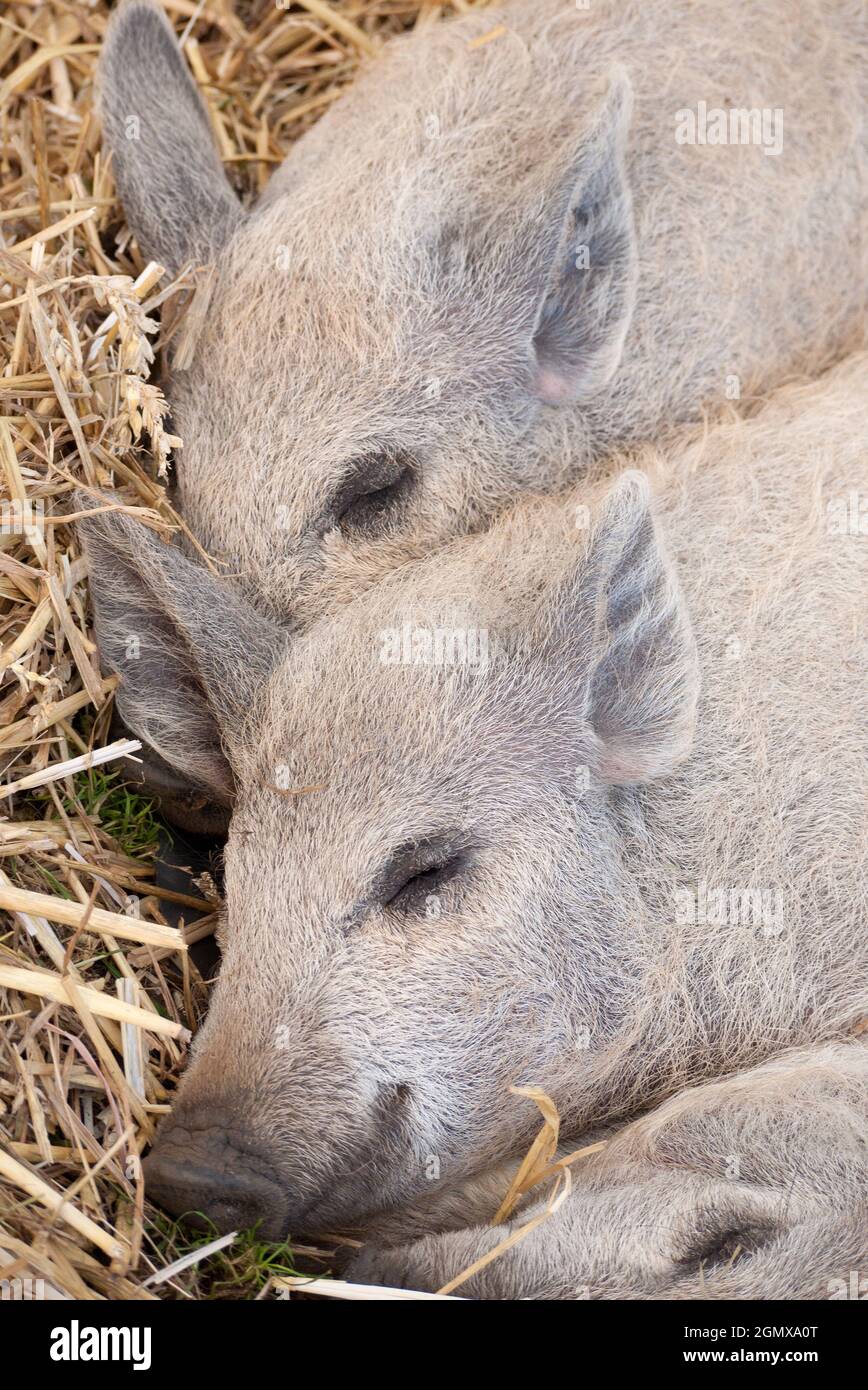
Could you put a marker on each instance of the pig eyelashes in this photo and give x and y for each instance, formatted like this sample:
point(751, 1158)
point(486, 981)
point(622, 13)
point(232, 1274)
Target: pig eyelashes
point(371, 492)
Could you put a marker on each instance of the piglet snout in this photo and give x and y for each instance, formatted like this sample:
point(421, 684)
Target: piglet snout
point(204, 1170)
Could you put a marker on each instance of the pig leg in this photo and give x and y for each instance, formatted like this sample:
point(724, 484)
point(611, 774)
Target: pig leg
point(749, 1188)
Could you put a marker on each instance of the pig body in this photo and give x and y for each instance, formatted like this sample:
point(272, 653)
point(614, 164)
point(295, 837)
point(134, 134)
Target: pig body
point(491, 262)
point(605, 834)
point(751, 1187)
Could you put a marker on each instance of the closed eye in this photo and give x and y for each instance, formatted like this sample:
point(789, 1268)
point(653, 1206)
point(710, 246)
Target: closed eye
point(417, 873)
point(372, 493)
point(414, 895)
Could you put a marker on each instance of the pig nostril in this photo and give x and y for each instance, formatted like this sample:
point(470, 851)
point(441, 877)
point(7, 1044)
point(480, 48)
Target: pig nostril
point(204, 1180)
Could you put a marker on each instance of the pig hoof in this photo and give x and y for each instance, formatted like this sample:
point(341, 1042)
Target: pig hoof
point(395, 1269)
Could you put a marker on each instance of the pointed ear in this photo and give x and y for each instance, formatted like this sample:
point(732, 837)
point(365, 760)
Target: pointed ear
point(190, 650)
point(639, 671)
point(175, 193)
point(586, 264)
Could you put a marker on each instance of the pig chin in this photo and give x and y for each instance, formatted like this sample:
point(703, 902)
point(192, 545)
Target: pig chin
point(346, 1209)
point(369, 1188)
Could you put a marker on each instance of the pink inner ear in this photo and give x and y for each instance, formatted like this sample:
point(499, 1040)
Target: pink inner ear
point(628, 761)
point(625, 766)
point(554, 387)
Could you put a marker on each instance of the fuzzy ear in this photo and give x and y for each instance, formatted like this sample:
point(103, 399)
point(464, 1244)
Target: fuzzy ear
point(584, 262)
point(175, 193)
point(640, 681)
point(190, 650)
